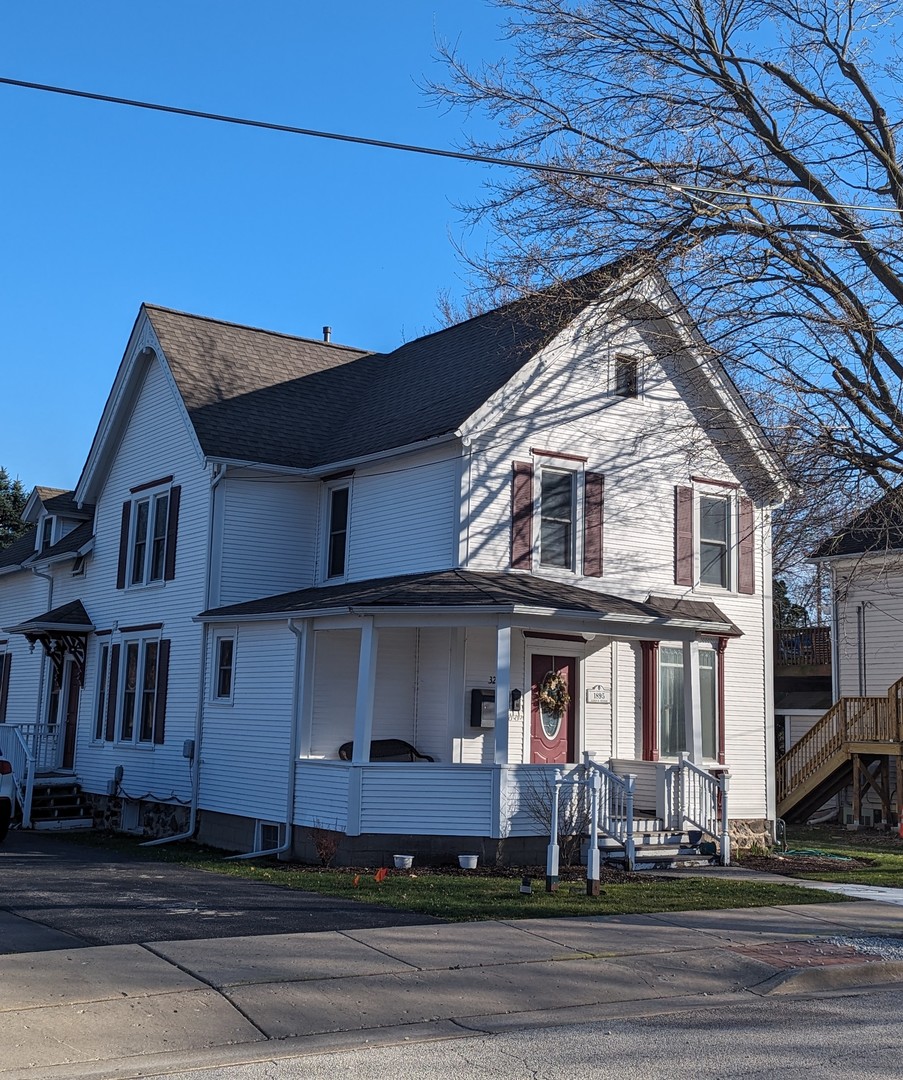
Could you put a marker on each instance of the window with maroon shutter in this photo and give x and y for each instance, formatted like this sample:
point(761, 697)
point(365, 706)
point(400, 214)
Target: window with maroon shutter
point(684, 547)
point(113, 695)
point(6, 663)
point(148, 534)
point(522, 515)
point(162, 688)
point(746, 548)
point(593, 503)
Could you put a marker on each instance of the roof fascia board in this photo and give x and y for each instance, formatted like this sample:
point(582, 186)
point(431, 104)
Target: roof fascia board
point(28, 511)
point(63, 556)
point(316, 471)
point(858, 556)
point(123, 395)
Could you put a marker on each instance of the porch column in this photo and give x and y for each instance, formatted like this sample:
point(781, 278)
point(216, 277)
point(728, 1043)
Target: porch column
point(692, 710)
point(366, 687)
point(650, 700)
point(502, 693)
point(719, 714)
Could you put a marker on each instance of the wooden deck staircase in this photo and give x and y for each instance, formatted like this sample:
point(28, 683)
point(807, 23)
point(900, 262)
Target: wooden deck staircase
point(853, 743)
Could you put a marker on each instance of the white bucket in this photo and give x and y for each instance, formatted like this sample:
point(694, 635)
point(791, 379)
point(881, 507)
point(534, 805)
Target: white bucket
point(468, 862)
point(403, 862)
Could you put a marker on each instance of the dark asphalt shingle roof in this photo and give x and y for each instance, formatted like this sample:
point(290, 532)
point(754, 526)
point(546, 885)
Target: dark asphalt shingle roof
point(71, 615)
point(258, 396)
point(63, 504)
point(878, 528)
point(19, 550)
point(467, 588)
point(71, 542)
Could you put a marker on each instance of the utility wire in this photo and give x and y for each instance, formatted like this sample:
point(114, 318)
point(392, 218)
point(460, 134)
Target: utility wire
point(458, 155)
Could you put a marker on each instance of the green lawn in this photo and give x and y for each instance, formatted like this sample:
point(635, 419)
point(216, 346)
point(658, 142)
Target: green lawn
point(460, 897)
point(883, 850)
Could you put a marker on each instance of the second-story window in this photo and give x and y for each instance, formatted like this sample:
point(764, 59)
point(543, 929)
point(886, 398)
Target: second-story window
point(556, 518)
point(147, 547)
point(337, 538)
point(46, 533)
point(714, 540)
point(627, 376)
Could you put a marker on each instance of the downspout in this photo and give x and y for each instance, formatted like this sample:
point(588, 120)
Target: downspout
point(217, 475)
point(49, 579)
point(292, 753)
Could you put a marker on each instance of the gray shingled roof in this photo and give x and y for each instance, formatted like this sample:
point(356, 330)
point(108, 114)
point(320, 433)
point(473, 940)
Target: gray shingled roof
point(878, 528)
point(19, 550)
point(257, 396)
point(71, 616)
point(62, 503)
point(71, 542)
point(467, 588)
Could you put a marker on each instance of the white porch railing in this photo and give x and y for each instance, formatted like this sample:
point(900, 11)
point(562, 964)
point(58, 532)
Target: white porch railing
point(616, 809)
point(15, 748)
point(700, 799)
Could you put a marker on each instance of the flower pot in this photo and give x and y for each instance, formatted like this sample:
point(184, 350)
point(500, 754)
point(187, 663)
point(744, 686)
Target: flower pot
point(403, 862)
point(694, 836)
point(468, 862)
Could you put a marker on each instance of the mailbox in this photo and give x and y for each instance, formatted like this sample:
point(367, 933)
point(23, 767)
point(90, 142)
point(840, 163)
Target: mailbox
point(482, 708)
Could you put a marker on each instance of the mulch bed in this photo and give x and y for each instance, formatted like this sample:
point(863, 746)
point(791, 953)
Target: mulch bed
point(801, 864)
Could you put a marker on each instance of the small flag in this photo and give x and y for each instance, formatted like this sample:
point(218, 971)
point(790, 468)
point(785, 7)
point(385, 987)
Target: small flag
point(357, 880)
point(380, 874)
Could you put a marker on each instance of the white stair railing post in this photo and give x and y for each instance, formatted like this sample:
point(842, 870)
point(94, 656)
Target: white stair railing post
point(629, 846)
point(723, 784)
point(592, 855)
point(552, 852)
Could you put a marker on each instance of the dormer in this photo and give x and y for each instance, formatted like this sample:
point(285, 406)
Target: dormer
point(54, 514)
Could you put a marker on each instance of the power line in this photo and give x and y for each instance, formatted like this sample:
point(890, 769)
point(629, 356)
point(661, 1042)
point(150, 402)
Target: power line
point(458, 155)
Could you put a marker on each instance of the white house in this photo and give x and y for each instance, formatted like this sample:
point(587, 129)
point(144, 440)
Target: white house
point(854, 750)
point(536, 538)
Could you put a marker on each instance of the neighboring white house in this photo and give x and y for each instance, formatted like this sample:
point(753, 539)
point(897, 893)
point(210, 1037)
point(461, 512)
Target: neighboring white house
point(864, 729)
point(298, 546)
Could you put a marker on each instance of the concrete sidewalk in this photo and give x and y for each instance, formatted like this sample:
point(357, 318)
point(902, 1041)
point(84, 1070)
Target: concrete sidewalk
point(128, 1010)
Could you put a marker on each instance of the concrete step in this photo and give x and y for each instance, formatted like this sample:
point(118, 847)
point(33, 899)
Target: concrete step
point(62, 824)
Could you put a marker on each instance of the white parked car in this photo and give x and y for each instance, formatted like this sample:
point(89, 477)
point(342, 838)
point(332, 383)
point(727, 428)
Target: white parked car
point(7, 797)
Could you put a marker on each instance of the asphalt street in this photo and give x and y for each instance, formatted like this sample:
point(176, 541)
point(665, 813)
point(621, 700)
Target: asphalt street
point(855, 1036)
point(103, 897)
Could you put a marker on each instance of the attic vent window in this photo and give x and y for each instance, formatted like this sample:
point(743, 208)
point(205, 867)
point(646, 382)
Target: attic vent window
point(627, 377)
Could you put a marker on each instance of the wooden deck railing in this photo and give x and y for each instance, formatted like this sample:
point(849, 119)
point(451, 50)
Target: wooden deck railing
point(851, 720)
point(798, 646)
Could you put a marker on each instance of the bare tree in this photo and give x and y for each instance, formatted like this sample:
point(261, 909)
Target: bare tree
point(748, 148)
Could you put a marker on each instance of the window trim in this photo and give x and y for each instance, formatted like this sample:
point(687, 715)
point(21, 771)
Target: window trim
point(151, 542)
point(219, 638)
point(330, 488)
point(47, 537)
point(141, 642)
point(576, 470)
point(630, 389)
point(730, 540)
point(709, 648)
point(102, 691)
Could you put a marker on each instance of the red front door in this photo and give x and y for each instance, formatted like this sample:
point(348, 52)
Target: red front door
point(553, 740)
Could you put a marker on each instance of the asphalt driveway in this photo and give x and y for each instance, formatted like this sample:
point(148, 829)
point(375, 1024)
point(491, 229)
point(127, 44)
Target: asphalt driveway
point(60, 894)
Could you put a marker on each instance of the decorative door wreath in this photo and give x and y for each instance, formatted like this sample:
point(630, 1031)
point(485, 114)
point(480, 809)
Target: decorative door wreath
point(553, 694)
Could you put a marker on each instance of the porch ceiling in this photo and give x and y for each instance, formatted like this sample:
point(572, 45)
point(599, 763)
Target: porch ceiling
point(456, 591)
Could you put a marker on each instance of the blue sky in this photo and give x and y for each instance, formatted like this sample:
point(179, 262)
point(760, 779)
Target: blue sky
point(104, 207)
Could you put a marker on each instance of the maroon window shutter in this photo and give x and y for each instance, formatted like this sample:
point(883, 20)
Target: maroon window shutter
point(6, 663)
point(683, 536)
point(593, 502)
point(110, 731)
point(172, 531)
point(162, 687)
point(123, 545)
point(746, 548)
point(522, 516)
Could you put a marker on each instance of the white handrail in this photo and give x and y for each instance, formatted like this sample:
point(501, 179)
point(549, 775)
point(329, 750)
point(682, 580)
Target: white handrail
point(615, 806)
point(16, 750)
point(702, 801)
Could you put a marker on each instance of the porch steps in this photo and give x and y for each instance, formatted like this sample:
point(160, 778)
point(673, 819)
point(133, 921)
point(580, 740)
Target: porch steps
point(60, 804)
point(660, 849)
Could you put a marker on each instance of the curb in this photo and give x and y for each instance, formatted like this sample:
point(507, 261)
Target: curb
point(833, 977)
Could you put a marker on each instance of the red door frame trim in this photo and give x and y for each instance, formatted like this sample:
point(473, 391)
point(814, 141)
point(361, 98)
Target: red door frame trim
point(650, 700)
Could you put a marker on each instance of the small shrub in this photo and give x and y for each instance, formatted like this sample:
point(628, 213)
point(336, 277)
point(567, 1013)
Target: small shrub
point(325, 841)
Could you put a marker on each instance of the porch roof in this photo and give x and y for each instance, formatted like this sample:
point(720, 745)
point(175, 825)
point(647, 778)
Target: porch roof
point(69, 619)
point(468, 590)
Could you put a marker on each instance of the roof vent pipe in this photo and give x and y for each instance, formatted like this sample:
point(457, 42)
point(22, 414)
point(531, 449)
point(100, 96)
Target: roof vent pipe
point(327, 333)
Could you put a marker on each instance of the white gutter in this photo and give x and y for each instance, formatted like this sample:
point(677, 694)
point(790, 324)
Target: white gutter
point(326, 468)
point(300, 675)
point(199, 709)
point(49, 579)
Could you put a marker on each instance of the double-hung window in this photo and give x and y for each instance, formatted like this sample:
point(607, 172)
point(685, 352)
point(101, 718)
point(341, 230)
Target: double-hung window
point(224, 673)
point(147, 542)
point(149, 539)
point(139, 691)
point(132, 684)
point(672, 729)
point(714, 540)
point(338, 505)
point(557, 511)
